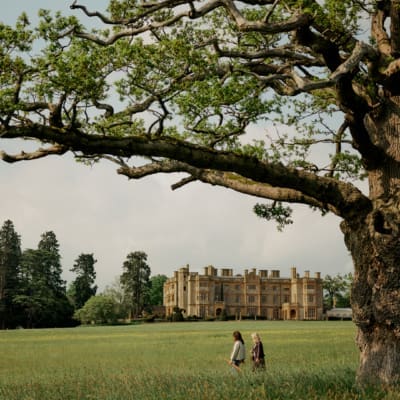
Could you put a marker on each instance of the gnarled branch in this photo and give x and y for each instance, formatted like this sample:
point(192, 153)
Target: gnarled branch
point(221, 178)
point(34, 155)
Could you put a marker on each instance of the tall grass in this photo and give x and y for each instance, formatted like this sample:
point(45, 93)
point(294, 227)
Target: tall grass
point(180, 361)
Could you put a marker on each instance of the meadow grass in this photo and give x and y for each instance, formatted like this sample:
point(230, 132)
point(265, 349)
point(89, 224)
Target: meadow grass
point(181, 361)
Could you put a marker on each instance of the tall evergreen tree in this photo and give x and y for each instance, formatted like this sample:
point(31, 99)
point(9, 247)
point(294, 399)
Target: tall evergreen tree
point(51, 262)
point(10, 254)
point(135, 280)
point(83, 288)
point(43, 292)
point(35, 299)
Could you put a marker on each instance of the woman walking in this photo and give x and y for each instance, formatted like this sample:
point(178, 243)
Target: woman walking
point(257, 352)
point(238, 352)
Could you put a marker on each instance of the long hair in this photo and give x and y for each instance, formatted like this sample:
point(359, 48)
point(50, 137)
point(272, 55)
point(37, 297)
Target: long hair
point(256, 337)
point(237, 335)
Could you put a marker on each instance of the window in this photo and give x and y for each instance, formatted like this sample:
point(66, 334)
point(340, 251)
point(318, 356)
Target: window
point(251, 299)
point(310, 298)
point(263, 299)
point(264, 312)
point(203, 296)
point(237, 299)
point(276, 299)
point(286, 298)
point(251, 287)
point(310, 313)
point(251, 310)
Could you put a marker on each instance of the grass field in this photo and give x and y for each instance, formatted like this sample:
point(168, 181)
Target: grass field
point(305, 360)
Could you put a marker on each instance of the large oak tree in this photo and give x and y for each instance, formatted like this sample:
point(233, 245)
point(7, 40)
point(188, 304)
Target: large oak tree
point(292, 101)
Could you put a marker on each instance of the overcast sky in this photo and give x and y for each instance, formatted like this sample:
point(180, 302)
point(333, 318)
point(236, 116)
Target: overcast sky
point(94, 210)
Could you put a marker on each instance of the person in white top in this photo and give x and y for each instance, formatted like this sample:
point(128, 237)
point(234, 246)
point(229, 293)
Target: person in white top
point(238, 352)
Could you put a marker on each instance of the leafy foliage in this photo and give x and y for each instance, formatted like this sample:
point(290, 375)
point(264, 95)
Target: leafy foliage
point(275, 211)
point(97, 310)
point(337, 290)
point(157, 290)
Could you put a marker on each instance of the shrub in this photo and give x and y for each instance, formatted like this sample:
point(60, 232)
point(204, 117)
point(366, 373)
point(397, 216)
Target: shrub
point(177, 315)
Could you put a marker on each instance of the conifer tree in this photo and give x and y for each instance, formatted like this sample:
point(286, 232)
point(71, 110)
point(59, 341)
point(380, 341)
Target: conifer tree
point(135, 280)
point(10, 254)
point(83, 288)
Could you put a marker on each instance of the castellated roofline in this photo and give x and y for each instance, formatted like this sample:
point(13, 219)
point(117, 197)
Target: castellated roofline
point(210, 270)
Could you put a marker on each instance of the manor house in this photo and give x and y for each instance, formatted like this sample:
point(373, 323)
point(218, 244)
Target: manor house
point(253, 294)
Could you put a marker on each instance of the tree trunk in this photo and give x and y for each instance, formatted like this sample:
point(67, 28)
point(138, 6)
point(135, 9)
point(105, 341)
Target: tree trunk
point(374, 242)
point(375, 301)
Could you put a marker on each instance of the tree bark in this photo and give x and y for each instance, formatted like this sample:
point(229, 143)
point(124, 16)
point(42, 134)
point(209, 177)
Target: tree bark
point(374, 242)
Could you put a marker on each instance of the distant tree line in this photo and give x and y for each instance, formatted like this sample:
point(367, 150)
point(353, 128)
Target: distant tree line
point(34, 295)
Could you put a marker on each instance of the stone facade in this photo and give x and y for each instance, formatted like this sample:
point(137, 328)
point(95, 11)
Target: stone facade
point(253, 294)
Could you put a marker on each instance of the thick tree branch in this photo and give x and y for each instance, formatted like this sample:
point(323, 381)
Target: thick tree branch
point(225, 179)
point(379, 33)
point(344, 197)
point(361, 52)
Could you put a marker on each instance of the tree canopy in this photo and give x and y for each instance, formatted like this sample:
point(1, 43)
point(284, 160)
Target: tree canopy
point(293, 101)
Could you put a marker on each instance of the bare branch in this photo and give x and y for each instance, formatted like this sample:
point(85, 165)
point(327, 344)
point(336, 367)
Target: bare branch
point(183, 182)
point(39, 153)
point(242, 23)
point(101, 16)
point(270, 12)
point(338, 150)
point(297, 21)
point(282, 52)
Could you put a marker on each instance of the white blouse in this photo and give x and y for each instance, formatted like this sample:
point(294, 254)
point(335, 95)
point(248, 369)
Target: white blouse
point(239, 351)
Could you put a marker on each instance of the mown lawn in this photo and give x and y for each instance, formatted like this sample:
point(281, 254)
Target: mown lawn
point(305, 360)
